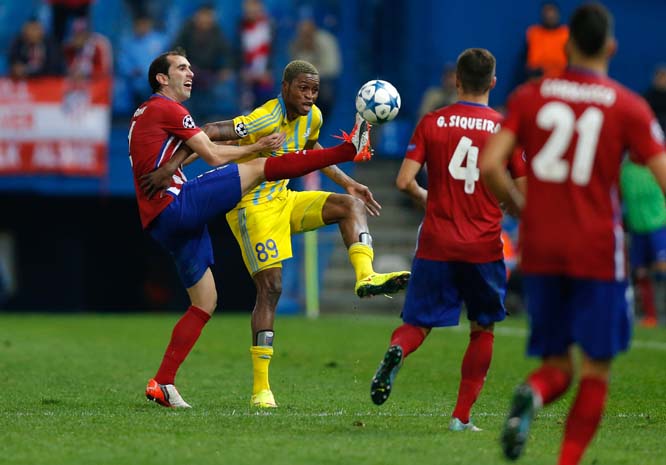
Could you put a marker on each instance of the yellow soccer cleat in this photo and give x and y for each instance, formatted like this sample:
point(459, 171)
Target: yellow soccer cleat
point(263, 399)
point(382, 283)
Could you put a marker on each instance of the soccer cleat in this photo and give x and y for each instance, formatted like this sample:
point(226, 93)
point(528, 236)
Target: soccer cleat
point(382, 283)
point(380, 388)
point(517, 425)
point(263, 399)
point(360, 138)
point(457, 425)
point(165, 395)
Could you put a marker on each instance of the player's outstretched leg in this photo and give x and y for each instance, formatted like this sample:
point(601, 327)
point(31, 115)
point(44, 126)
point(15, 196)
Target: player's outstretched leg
point(381, 385)
point(165, 394)
point(382, 283)
point(517, 425)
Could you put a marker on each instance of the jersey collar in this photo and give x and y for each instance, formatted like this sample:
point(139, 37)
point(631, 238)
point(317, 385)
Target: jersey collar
point(472, 104)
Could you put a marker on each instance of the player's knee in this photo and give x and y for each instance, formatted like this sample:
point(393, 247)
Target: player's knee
point(209, 303)
point(357, 205)
point(270, 291)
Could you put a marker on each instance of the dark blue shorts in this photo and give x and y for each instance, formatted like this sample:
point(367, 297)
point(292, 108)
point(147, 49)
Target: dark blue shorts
point(437, 290)
point(594, 314)
point(182, 227)
point(646, 249)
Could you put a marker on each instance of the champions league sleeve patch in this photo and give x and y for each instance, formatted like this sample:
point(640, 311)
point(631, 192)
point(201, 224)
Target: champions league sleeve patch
point(188, 122)
point(240, 129)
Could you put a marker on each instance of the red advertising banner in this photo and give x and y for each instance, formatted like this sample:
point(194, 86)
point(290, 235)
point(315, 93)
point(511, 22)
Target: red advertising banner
point(54, 126)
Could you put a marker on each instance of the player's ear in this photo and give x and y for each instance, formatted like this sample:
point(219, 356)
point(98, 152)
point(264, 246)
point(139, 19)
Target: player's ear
point(611, 47)
point(162, 78)
point(493, 83)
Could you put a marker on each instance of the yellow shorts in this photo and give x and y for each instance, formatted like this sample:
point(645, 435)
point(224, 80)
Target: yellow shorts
point(264, 231)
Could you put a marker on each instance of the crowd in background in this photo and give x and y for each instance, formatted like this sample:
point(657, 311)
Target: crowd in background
point(234, 70)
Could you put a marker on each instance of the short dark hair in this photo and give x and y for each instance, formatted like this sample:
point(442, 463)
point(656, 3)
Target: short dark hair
point(589, 28)
point(475, 70)
point(161, 65)
point(296, 67)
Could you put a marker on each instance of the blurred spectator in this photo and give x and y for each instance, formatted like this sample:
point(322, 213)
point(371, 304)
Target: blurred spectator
point(645, 219)
point(135, 53)
point(62, 11)
point(256, 36)
point(212, 61)
point(154, 9)
point(656, 94)
point(545, 44)
point(319, 47)
point(87, 53)
point(33, 53)
point(442, 95)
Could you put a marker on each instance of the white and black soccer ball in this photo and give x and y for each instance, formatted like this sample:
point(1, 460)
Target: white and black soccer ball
point(378, 101)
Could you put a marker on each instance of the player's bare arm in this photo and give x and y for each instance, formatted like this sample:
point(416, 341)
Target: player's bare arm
point(494, 159)
point(658, 167)
point(216, 155)
point(406, 182)
point(221, 130)
point(351, 186)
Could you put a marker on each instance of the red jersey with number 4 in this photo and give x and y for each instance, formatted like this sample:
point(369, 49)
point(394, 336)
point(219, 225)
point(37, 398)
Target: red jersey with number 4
point(575, 130)
point(462, 219)
point(158, 128)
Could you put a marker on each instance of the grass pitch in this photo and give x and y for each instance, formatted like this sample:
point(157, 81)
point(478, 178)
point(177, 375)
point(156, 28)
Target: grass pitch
point(71, 392)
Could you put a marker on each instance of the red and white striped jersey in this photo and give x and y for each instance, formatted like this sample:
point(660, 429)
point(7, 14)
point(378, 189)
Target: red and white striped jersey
point(158, 127)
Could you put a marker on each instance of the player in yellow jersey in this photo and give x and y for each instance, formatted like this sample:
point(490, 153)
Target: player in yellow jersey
point(265, 218)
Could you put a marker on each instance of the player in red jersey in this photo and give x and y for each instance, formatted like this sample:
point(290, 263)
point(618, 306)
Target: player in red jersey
point(177, 217)
point(574, 130)
point(459, 253)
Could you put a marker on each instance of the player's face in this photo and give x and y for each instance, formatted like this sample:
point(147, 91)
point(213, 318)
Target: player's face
point(179, 82)
point(301, 93)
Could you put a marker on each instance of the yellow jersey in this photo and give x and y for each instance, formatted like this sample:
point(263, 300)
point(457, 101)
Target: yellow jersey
point(267, 119)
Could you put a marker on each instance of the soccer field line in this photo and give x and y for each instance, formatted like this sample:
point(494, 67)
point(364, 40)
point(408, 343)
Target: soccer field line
point(522, 332)
point(335, 413)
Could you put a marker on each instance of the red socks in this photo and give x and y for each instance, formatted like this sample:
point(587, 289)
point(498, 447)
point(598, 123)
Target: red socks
point(408, 337)
point(474, 368)
point(184, 335)
point(295, 164)
point(646, 293)
point(549, 382)
point(583, 420)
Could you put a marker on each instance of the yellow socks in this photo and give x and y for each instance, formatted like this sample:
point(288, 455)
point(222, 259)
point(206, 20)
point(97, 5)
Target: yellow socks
point(360, 256)
point(261, 358)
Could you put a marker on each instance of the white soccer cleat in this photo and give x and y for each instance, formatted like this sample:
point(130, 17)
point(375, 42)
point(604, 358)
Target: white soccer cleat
point(165, 394)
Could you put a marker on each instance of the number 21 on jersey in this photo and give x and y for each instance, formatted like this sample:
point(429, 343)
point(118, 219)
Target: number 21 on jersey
point(469, 173)
point(548, 164)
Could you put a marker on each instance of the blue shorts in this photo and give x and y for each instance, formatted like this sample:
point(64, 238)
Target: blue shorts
point(182, 228)
point(592, 313)
point(437, 290)
point(646, 249)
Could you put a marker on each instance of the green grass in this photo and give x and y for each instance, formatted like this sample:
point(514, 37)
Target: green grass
point(71, 392)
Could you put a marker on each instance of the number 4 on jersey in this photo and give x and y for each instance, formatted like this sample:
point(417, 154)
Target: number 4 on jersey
point(470, 172)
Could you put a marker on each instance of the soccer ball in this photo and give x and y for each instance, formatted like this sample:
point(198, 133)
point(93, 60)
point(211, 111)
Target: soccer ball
point(378, 101)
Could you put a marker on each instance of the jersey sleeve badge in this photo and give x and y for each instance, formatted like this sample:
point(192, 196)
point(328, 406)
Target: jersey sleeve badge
point(188, 122)
point(241, 130)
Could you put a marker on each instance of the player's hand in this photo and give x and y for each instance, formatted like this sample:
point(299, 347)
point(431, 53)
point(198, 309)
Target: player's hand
point(271, 142)
point(155, 181)
point(362, 192)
